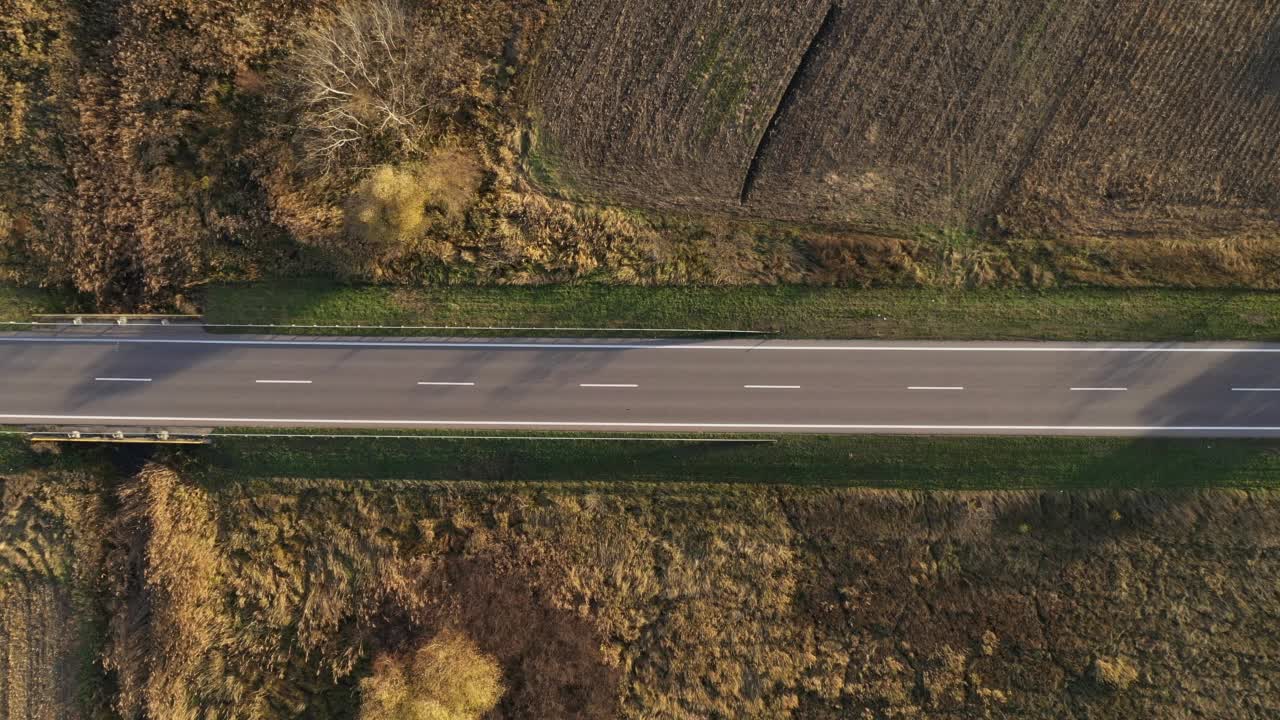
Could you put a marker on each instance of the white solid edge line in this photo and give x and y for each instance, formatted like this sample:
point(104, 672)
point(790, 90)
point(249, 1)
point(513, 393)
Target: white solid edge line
point(553, 438)
point(466, 345)
point(445, 383)
point(283, 382)
point(121, 379)
point(772, 387)
point(1258, 389)
point(1099, 389)
point(935, 387)
point(607, 385)
point(632, 424)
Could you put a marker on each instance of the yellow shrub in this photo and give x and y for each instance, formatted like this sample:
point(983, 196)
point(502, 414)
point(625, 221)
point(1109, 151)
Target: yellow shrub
point(1116, 673)
point(448, 678)
point(393, 210)
point(388, 207)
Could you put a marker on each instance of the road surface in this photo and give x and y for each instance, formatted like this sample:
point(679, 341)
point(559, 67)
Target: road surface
point(184, 377)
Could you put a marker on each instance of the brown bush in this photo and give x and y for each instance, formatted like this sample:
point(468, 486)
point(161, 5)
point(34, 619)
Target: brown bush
point(387, 209)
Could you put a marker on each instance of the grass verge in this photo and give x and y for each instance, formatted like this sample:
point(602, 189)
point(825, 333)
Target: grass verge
point(18, 455)
point(20, 303)
point(909, 462)
point(792, 311)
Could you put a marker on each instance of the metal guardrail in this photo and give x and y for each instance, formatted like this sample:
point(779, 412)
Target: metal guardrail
point(171, 321)
point(493, 328)
point(162, 437)
point(135, 316)
point(106, 320)
point(557, 438)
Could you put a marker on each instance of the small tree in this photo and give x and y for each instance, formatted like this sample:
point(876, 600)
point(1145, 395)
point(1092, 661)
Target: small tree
point(448, 678)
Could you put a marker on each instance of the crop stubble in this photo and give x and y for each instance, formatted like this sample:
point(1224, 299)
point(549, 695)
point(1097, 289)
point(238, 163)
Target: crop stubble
point(666, 100)
point(1040, 117)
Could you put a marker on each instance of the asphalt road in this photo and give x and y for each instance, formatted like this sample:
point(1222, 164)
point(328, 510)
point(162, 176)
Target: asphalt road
point(184, 377)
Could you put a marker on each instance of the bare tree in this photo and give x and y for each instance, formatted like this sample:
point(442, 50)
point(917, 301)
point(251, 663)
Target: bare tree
point(373, 75)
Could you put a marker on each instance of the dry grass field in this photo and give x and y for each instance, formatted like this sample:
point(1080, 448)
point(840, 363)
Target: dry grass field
point(149, 148)
point(277, 598)
point(37, 667)
point(1137, 117)
point(151, 594)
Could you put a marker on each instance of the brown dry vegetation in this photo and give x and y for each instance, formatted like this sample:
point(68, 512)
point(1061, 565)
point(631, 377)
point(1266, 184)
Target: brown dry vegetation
point(273, 598)
point(447, 678)
point(143, 150)
point(50, 541)
point(280, 598)
point(168, 139)
point(175, 142)
point(151, 146)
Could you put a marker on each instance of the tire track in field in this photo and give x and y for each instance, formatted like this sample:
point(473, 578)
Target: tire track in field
point(806, 61)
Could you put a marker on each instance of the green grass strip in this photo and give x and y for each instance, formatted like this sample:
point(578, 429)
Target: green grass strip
point(20, 303)
point(793, 311)
point(18, 455)
point(912, 462)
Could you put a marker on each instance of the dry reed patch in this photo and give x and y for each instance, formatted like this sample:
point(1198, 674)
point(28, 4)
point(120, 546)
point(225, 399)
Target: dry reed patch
point(689, 601)
point(953, 605)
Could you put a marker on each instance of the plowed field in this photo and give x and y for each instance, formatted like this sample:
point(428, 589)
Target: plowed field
point(667, 100)
point(1132, 117)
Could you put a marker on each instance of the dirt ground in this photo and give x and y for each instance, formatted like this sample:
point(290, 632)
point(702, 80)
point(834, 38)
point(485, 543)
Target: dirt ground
point(37, 632)
point(1142, 117)
point(49, 528)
